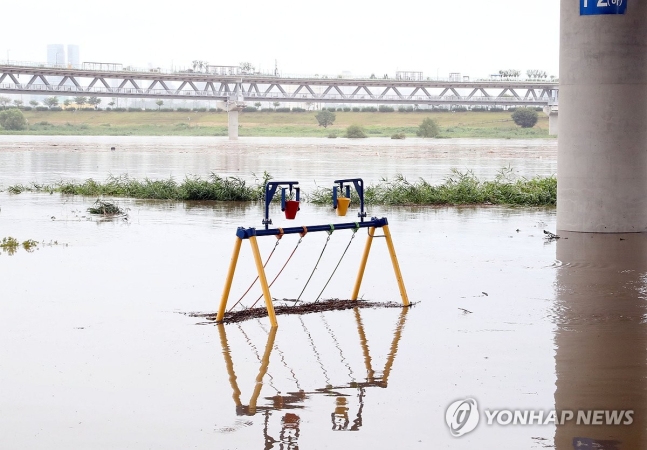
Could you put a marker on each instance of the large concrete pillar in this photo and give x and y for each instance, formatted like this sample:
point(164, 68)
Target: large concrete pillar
point(232, 116)
point(602, 156)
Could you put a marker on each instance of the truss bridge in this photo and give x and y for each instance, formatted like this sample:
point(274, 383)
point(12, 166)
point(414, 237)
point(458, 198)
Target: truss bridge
point(25, 78)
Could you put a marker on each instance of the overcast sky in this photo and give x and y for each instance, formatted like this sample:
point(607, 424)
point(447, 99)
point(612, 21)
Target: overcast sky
point(473, 37)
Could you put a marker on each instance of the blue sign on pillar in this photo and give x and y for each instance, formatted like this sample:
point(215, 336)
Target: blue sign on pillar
point(597, 7)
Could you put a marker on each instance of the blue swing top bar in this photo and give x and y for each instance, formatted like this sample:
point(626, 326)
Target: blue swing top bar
point(246, 233)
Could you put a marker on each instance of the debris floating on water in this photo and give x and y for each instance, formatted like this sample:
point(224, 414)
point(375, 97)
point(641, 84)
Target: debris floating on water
point(551, 236)
point(303, 308)
point(105, 208)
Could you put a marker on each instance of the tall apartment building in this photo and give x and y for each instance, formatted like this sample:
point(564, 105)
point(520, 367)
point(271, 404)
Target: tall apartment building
point(73, 56)
point(56, 54)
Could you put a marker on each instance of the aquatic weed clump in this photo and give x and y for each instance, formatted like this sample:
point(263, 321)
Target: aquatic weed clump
point(105, 208)
point(9, 245)
point(29, 245)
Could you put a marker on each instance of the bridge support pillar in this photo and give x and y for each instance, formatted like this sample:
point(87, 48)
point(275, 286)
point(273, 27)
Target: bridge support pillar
point(602, 155)
point(553, 120)
point(233, 123)
point(553, 124)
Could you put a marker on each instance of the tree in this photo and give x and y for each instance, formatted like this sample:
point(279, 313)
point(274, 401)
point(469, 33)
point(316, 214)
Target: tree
point(4, 101)
point(355, 132)
point(276, 104)
point(247, 68)
point(510, 73)
point(94, 101)
point(51, 102)
point(111, 104)
point(18, 103)
point(325, 118)
point(258, 105)
point(80, 101)
point(535, 74)
point(159, 104)
point(33, 103)
point(428, 128)
point(12, 119)
point(525, 117)
point(67, 103)
point(199, 66)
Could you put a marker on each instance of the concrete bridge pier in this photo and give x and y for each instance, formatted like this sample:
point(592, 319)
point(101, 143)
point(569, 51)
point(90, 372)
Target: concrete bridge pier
point(602, 156)
point(235, 104)
point(553, 123)
point(232, 116)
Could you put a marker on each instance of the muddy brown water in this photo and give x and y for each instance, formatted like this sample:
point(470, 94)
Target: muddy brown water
point(96, 350)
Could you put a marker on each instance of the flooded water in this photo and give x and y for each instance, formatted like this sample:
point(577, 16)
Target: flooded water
point(44, 159)
point(97, 351)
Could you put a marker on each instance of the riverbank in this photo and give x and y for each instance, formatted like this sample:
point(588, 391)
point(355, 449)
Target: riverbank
point(273, 124)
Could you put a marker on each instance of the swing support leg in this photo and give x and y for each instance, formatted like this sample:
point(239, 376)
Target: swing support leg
point(362, 264)
point(230, 366)
point(263, 280)
point(396, 266)
point(263, 370)
point(230, 277)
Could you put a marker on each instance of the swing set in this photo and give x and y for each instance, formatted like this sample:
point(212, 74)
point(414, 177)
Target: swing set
point(341, 198)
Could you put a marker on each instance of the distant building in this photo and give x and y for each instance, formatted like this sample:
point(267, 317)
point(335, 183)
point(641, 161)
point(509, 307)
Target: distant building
point(408, 76)
point(56, 54)
point(455, 76)
point(73, 57)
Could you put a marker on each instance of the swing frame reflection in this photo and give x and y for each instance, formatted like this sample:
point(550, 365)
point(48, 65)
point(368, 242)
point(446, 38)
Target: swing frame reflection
point(290, 422)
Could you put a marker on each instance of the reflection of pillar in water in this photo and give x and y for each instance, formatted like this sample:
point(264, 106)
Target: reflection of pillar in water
point(601, 341)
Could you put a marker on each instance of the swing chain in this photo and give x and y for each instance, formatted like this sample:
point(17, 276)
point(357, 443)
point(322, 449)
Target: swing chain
point(280, 271)
point(339, 262)
point(332, 228)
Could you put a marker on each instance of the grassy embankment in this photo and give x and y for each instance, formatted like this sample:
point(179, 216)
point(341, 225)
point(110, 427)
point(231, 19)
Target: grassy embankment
point(376, 124)
point(459, 189)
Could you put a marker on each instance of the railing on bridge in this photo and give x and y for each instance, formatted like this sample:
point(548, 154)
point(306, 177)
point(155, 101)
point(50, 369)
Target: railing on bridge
point(188, 71)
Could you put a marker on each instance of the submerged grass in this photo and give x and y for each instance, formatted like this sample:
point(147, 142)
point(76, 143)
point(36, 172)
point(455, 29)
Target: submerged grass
point(214, 187)
point(461, 188)
point(10, 245)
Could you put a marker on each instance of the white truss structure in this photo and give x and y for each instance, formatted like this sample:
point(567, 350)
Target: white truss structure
point(19, 79)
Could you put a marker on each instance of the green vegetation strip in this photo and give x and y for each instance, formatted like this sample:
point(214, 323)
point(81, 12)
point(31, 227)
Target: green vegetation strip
point(195, 188)
point(461, 188)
